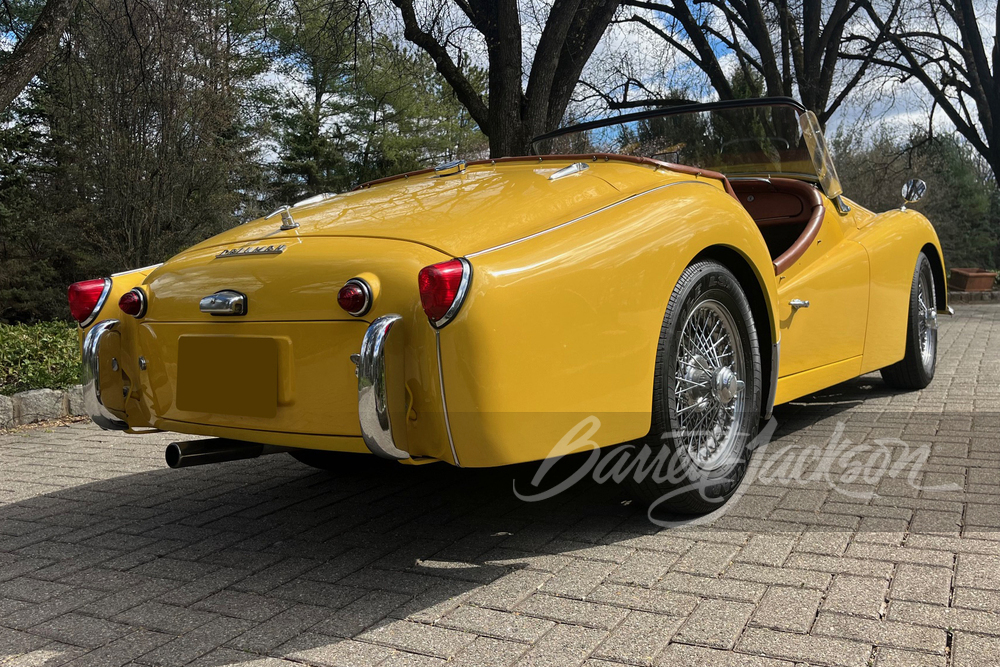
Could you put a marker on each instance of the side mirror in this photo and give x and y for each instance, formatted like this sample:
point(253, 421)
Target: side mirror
point(914, 190)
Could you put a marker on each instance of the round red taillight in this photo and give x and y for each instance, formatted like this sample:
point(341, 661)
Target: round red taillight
point(442, 289)
point(355, 297)
point(87, 298)
point(133, 303)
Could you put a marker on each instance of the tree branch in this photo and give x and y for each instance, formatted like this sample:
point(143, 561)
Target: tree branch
point(35, 50)
point(466, 93)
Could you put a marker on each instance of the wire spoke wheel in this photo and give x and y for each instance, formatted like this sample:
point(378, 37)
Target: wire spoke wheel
point(709, 386)
point(707, 390)
point(926, 320)
point(916, 369)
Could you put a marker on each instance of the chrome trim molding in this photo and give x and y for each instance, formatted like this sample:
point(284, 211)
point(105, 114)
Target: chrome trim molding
point(224, 302)
point(585, 216)
point(379, 385)
point(367, 289)
point(444, 399)
point(574, 168)
point(149, 268)
point(92, 378)
point(773, 388)
point(463, 289)
point(100, 304)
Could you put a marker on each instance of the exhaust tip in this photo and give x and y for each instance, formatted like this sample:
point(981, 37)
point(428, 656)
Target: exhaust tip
point(173, 455)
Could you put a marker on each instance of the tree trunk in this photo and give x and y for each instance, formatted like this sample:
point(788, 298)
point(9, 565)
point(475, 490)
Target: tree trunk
point(502, 30)
point(37, 48)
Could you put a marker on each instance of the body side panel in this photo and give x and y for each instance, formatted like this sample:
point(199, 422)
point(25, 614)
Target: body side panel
point(565, 325)
point(833, 276)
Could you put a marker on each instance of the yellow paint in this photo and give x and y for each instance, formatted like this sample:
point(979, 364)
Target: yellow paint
point(807, 382)
point(571, 279)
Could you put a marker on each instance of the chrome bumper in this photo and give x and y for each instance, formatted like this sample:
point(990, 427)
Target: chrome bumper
point(92, 378)
point(382, 389)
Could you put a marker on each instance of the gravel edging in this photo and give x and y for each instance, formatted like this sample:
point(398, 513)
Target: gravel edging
point(38, 405)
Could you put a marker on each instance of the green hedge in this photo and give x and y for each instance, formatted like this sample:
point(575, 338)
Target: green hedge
point(38, 356)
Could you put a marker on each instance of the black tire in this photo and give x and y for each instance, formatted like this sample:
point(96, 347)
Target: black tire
point(916, 370)
point(706, 288)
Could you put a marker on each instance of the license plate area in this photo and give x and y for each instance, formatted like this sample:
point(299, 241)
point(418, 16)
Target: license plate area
point(230, 375)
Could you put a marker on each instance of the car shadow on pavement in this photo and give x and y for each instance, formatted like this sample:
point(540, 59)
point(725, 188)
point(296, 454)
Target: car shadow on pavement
point(223, 564)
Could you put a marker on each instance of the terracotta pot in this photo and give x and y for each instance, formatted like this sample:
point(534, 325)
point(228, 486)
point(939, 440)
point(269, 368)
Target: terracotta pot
point(971, 280)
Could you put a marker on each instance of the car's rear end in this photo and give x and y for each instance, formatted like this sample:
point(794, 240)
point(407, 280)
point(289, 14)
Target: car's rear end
point(321, 327)
point(278, 369)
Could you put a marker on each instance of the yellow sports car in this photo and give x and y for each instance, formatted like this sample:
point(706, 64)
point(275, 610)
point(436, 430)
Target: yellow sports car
point(511, 310)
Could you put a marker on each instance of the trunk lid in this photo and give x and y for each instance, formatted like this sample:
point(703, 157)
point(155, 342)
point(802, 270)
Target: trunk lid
point(484, 206)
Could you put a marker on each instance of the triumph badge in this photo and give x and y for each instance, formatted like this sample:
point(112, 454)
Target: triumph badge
point(252, 250)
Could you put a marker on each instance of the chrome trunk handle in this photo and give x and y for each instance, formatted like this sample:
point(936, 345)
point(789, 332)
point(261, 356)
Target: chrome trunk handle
point(225, 302)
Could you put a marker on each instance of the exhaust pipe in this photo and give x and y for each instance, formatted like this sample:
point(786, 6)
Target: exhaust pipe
point(214, 450)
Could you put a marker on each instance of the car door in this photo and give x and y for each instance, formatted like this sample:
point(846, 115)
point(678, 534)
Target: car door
point(832, 277)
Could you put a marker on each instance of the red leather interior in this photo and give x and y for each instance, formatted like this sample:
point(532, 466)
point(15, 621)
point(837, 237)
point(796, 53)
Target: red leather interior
point(788, 212)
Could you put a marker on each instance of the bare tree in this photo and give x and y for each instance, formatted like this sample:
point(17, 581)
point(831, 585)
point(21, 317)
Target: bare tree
point(787, 48)
point(30, 55)
point(512, 114)
point(940, 45)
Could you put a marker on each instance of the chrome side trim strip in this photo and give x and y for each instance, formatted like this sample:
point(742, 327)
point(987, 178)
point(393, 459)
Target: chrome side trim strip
point(92, 378)
point(149, 268)
point(444, 399)
point(376, 391)
point(585, 216)
point(773, 388)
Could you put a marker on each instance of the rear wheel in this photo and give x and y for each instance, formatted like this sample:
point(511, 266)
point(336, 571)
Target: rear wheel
point(706, 393)
point(916, 370)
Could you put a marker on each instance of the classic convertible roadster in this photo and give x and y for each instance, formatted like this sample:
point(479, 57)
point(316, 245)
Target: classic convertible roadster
point(667, 276)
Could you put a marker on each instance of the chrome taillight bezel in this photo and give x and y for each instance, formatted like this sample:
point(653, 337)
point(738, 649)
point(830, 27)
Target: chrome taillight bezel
point(367, 290)
point(143, 302)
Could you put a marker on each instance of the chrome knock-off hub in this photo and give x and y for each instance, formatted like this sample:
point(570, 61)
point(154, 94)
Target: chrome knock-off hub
point(726, 385)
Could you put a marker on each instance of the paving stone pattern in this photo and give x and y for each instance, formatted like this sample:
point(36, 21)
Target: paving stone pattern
point(109, 558)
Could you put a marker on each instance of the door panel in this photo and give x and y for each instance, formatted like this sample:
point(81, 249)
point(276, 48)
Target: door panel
point(833, 276)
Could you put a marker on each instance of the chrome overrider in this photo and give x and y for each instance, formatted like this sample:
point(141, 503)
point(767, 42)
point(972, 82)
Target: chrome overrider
point(92, 377)
point(381, 388)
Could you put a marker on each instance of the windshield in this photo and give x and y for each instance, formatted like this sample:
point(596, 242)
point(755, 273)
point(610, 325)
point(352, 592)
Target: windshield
point(748, 138)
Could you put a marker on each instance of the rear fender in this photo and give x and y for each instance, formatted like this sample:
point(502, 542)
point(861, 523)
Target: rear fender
point(563, 327)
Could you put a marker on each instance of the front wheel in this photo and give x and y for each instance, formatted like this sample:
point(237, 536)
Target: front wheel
point(706, 393)
point(916, 370)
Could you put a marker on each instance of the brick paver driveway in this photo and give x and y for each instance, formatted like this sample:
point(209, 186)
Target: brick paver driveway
point(862, 556)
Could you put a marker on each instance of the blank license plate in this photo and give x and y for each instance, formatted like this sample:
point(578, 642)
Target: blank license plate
point(228, 375)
